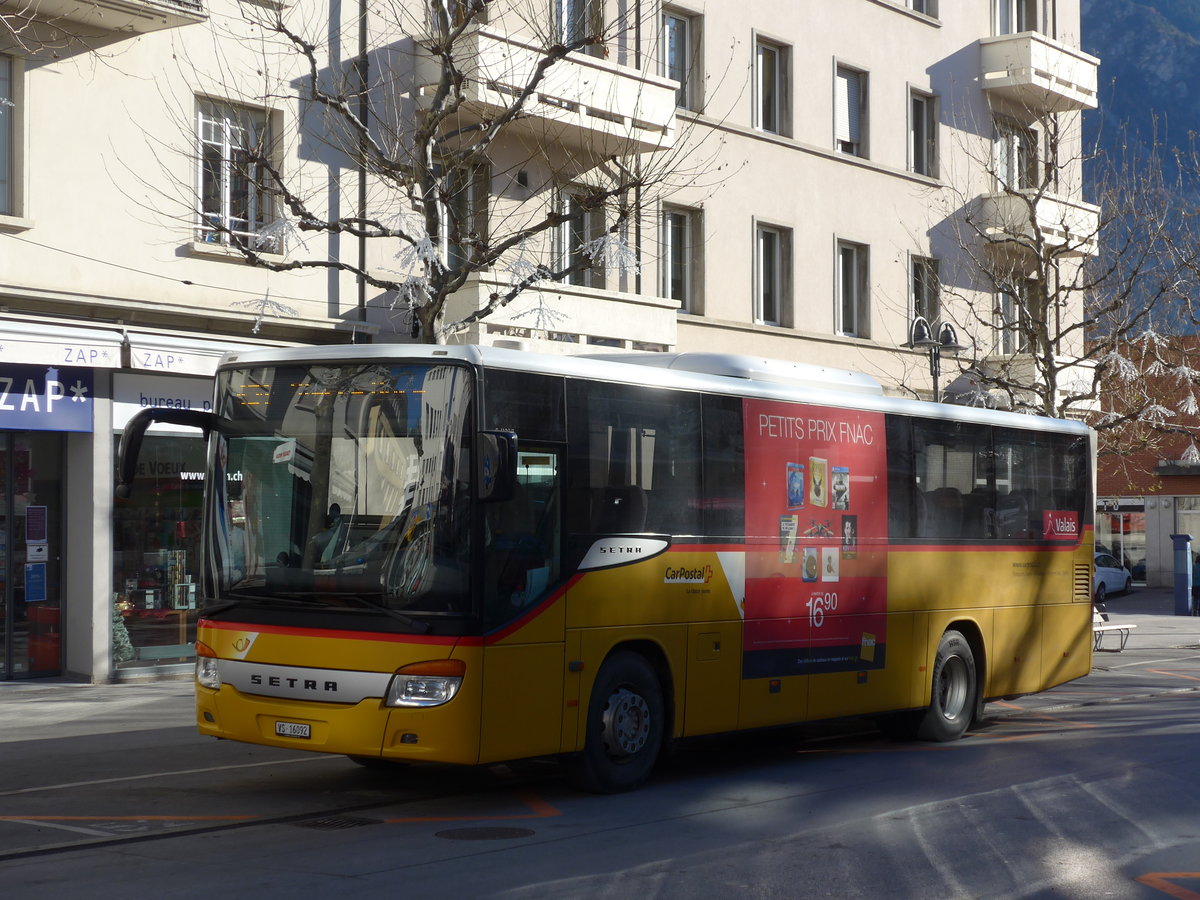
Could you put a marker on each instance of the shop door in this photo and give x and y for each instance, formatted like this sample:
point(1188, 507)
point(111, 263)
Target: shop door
point(30, 552)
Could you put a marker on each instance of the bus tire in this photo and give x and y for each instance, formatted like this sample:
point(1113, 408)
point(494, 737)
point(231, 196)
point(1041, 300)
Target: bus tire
point(954, 691)
point(626, 724)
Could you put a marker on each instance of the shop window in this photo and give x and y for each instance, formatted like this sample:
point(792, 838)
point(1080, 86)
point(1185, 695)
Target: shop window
point(156, 554)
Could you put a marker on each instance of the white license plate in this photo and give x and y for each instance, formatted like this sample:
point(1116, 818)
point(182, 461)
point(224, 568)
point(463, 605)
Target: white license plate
point(293, 730)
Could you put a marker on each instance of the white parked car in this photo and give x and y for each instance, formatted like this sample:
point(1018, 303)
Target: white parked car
point(1110, 578)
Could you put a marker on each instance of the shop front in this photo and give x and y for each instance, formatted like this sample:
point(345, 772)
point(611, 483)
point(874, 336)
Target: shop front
point(39, 405)
point(156, 531)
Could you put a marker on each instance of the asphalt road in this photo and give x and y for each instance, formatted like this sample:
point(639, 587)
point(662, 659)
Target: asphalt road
point(1089, 790)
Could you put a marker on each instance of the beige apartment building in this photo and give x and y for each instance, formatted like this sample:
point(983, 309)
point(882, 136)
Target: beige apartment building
point(825, 176)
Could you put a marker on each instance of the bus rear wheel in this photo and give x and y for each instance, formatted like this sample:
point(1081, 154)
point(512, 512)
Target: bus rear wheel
point(625, 726)
point(955, 686)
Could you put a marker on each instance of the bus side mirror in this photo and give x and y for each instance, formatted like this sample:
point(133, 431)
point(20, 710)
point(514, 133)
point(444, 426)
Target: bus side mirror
point(496, 471)
point(135, 430)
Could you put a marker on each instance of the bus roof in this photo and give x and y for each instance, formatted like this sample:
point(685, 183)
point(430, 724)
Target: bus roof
point(722, 373)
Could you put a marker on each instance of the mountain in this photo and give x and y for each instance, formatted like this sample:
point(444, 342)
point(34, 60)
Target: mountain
point(1149, 60)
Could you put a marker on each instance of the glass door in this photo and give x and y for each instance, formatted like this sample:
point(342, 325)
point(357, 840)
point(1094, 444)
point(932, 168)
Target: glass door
point(30, 554)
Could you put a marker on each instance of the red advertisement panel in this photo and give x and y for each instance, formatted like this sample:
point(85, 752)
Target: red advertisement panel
point(816, 526)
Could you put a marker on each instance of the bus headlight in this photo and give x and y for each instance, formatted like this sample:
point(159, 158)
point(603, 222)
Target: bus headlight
point(429, 683)
point(207, 674)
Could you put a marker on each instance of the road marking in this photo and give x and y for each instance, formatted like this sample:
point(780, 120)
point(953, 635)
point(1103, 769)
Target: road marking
point(1160, 881)
point(91, 832)
point(76, 784)
point(1173, 674)
point(539, 809)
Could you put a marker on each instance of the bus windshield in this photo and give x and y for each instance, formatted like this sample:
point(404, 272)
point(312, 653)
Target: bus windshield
point(343, 486)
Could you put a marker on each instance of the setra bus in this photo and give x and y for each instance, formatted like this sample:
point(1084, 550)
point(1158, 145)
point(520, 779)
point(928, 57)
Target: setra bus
point(472, 554)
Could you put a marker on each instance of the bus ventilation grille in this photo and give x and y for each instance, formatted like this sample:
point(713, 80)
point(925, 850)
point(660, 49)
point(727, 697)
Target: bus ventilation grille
point(1083, 582)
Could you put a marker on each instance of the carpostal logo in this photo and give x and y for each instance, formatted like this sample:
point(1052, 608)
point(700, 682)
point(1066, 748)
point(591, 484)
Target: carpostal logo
point(1059, 525)
point(686, 575)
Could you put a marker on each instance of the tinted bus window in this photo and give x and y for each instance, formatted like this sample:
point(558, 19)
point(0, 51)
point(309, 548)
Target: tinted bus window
point(634, 460)
point(724, 512)
point(530, 405)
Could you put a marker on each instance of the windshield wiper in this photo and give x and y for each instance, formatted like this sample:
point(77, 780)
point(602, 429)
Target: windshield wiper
point(415, 624)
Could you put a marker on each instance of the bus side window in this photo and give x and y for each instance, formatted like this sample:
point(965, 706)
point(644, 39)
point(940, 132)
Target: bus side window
point(906, 502)
point(724, 504)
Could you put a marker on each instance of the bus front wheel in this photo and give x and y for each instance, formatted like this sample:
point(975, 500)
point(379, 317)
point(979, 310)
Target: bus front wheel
point(625, 726)
point(953, 698)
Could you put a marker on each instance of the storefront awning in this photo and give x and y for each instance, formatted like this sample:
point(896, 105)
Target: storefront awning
point(44, 344)
point(173, 355)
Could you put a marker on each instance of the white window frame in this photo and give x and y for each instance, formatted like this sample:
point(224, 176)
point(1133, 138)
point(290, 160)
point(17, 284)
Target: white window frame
point(12, 143)
point(850, 110)
point(575, 20)
point(924, 288)
point(772, 274)
point(1011, 306)
point(468, 203)
point(1015, 157)
point(681, 35)
point(222, 128)
point(1014, 16)
point(852, 274)
point(680, 242)
point(772, 91)
point(925, 7)
point(922, 133)
point(571, 235)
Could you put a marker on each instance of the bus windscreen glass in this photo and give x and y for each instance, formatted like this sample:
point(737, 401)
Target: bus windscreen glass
point(345, 486)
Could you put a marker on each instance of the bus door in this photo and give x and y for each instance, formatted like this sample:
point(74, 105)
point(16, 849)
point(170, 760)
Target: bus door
point(523, 657)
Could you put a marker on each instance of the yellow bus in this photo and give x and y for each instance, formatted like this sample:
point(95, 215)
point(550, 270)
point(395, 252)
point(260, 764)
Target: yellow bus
point(470, 554)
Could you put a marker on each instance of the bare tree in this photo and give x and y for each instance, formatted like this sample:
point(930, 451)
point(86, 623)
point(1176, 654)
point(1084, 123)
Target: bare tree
point(476, 136)
point(1066, 301)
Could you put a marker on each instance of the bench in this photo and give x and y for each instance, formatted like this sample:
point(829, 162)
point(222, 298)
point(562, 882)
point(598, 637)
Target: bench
point(1101, 627)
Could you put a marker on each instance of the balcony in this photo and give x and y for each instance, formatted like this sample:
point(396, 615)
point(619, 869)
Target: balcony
point(119, 16)
point(565, 318)
point(582, 102)
point(1038, 72)
point(1067, 227)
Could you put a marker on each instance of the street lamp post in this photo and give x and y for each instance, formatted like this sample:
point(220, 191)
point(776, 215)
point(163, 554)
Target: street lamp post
point(920, 335)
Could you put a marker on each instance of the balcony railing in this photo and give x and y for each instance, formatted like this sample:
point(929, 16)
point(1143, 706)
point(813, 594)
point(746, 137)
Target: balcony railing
point(122, 16)
point(1065, 225)
point(1038, 72)
point(582, 101)
point(568, 317)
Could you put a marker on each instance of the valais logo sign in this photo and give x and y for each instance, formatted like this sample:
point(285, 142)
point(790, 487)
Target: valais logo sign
point(1060, 525)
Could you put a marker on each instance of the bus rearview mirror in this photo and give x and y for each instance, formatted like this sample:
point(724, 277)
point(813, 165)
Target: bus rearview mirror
point(497, 465)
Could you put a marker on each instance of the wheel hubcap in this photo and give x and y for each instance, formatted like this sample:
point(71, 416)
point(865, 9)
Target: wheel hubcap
point(953, 687)
point(626, 723)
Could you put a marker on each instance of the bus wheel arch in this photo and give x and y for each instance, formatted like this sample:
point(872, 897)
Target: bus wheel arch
point(955, 684)
point(628, 720)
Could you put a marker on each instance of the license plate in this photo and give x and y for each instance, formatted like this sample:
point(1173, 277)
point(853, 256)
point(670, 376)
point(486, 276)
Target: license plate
point(293, 730)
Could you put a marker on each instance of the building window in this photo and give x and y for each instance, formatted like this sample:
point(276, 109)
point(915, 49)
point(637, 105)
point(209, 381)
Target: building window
point(771, 87)
point(1015, 16)
point(773, 247)
point(850, 111)
point(681, 57)
point(926, 289)
point(922, 134)
point(680, 260)
point(1010, 320)
point(233, 141)
point(8, 132)
point(465, 217)
point(580, 227)
point(928, 7)
point(1014, 156)
point(580, 23)
point(852, 289)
